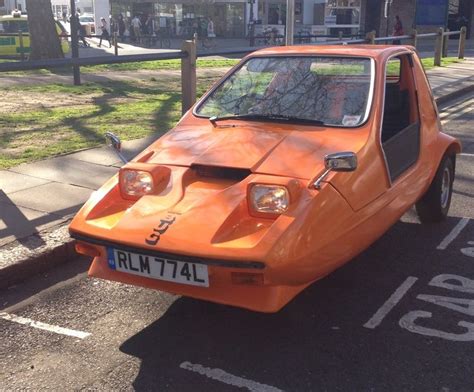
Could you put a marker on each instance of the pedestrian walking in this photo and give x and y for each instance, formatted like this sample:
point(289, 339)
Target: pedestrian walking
point(121, 27)
point(150, 30)
point(105, 32)
point(397, 30)
point(81, 30)
point(136, 26)
point(208, 41)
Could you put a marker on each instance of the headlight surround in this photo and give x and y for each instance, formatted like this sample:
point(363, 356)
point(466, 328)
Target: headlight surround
point(269, 199)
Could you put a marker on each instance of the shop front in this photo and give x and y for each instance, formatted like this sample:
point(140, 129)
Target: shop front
point(315, 17)
point(187, 16)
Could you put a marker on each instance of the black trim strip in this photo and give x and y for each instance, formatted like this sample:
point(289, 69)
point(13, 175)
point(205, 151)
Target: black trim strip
point(191, 259)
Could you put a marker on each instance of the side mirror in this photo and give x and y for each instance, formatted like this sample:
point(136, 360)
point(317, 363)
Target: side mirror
point(115, 142)
point(339, 162)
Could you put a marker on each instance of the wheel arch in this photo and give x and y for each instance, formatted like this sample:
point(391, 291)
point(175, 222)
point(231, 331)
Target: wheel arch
point(450, 147)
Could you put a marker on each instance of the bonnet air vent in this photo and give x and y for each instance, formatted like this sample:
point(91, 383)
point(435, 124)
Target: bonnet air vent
point(228, 173)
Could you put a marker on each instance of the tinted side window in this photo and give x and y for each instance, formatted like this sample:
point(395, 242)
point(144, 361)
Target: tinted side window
point(14, 26)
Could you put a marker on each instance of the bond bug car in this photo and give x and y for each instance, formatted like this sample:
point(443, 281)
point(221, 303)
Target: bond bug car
point(293, 163)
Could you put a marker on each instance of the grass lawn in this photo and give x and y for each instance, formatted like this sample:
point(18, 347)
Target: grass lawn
point(138, 66)
point(160, 64)
point(65, 118)
point(428, 63)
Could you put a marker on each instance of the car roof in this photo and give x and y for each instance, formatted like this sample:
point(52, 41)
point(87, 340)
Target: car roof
point(10, 17)
point(372, 51)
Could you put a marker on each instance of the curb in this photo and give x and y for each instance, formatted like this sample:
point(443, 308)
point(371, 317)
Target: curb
point(21, 265)
point(457, 93)
point(24, 268)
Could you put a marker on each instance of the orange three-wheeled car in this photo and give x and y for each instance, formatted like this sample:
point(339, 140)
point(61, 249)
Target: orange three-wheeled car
point(293, 163)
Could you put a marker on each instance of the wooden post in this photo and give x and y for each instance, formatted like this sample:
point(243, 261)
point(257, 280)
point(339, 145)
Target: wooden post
point(445, 45)
point(414, 38)
point(462, 42)
point(22, 48)
point(370, 37)
point(438, 47)
point(115, 43)
point(188, 76)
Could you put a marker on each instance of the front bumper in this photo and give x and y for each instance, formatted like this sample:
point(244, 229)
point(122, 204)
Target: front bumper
point(264, 297)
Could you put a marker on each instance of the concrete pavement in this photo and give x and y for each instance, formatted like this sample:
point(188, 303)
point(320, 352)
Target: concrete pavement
point(38, 199)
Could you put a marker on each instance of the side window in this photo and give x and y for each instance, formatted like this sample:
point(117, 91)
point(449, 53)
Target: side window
point(400, 133)
point(393, 70)
point(23, 26)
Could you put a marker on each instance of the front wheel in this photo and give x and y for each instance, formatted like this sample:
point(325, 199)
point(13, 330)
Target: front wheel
point(434, 205)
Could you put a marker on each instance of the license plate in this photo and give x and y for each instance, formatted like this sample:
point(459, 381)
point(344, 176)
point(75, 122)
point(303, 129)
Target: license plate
point(158, 267)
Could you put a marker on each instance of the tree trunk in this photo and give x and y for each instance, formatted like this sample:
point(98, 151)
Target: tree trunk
point(44, 39)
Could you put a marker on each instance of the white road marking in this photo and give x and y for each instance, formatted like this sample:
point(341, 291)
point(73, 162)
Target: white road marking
point(454, 233)
point(227, 378)
point(390, 303)
point(465, 154)
point(46, 327)
point(468, 251)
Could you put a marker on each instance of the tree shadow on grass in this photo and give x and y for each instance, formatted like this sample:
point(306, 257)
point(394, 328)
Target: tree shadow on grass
point(123, 89)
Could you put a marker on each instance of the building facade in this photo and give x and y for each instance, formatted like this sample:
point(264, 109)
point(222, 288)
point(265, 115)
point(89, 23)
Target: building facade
point(7, 6)
point(316, 17)
point(423, 15)
point(232, 17)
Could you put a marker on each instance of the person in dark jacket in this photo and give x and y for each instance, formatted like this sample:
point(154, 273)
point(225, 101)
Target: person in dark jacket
point(105, 32)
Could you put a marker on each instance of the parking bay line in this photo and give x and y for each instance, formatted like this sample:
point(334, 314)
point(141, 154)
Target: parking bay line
point(46, 327)
point(227, 378)
point(453, 234)
point(394, 299)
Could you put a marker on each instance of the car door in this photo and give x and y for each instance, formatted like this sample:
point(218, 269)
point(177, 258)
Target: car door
point(400, 132)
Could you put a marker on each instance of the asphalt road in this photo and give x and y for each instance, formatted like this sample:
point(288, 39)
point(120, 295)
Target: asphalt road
point(399, 317)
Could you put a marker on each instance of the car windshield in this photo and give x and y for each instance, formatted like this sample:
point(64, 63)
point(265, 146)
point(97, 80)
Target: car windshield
point(86, 19)
point(332, 91)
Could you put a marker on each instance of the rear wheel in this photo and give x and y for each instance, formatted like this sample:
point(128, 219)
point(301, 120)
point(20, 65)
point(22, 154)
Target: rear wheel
point(434, 205)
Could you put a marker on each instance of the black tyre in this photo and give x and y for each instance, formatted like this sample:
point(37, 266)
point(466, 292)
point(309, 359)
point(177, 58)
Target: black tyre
point(434, 205)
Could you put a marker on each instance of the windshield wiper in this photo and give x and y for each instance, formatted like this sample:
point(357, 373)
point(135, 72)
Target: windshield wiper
point(265, 117)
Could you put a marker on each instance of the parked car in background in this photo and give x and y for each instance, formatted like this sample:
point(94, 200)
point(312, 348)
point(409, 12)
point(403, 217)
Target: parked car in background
point(11, 25)
point(87, 20)
point(293, 163)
